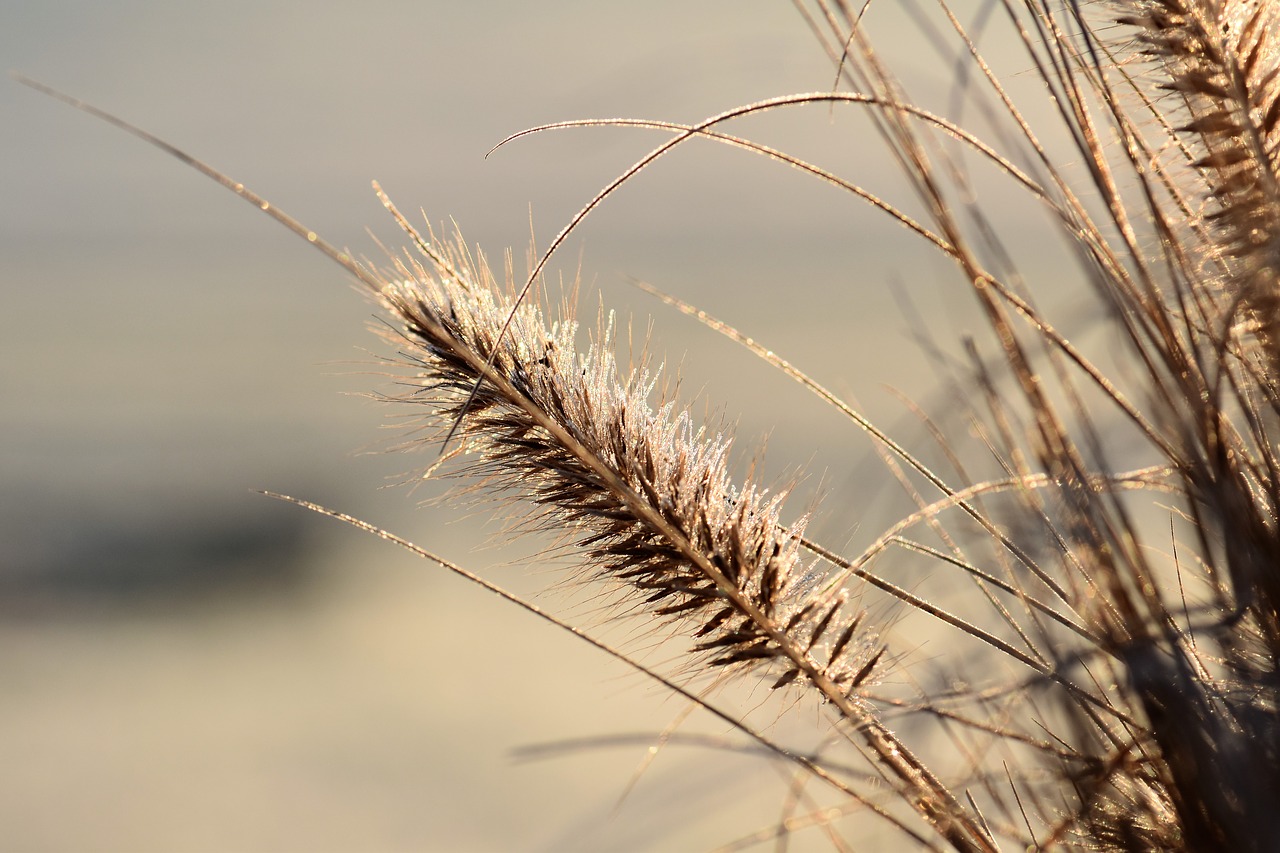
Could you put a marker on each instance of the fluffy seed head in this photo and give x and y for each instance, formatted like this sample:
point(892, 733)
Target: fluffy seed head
point(665, 489)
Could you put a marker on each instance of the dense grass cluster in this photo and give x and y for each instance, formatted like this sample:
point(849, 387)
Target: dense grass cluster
point(1127, 614)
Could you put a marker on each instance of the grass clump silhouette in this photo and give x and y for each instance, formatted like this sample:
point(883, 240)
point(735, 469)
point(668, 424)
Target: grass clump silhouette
point(1126, 617)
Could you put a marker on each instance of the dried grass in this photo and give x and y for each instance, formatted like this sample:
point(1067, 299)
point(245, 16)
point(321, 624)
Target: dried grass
point(1128, 697)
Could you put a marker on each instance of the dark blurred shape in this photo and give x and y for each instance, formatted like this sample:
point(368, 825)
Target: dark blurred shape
point(148, 552)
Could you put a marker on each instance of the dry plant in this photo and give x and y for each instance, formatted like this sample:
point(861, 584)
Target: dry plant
point(1112, 546)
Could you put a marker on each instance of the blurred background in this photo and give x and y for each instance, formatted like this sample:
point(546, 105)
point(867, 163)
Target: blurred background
point(188, 665)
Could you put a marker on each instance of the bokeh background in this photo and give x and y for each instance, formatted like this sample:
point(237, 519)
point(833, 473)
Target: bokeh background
point(187, 665)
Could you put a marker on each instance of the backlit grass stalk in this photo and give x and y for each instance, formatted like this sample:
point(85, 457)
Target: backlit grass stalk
point(644, 494)
point(1131, 694)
